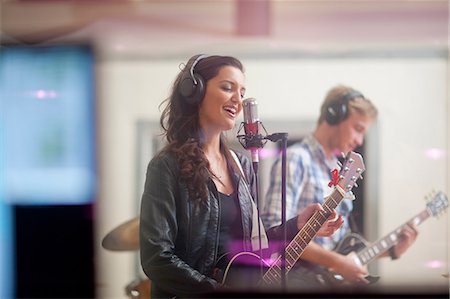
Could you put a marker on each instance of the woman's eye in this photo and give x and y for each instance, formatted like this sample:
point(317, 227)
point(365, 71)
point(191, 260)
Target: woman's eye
point(226, 88)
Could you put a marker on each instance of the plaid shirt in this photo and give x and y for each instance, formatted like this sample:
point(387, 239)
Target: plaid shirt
point(308, 175)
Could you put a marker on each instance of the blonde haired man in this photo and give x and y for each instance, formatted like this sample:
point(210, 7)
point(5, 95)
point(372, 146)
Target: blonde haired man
point(345, 118)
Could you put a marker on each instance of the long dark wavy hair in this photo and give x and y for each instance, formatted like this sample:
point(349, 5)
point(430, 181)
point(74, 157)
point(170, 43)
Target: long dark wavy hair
point(181, 127)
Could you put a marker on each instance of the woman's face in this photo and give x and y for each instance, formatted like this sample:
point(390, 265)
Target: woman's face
point(223, 100)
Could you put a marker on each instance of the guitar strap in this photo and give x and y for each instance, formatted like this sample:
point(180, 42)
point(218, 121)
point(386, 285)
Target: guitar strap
point(255, 234)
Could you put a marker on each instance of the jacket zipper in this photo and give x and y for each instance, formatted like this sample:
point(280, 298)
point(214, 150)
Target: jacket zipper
point(218, 227)
point(188, 245)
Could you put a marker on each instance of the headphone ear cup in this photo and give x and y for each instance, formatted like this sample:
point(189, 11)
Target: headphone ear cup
point(192, 92)
point(336, 112)
point(187, 86)
point(192, 86)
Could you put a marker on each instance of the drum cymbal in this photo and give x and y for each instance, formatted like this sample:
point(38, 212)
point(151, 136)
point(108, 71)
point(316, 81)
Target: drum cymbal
point(124, 237)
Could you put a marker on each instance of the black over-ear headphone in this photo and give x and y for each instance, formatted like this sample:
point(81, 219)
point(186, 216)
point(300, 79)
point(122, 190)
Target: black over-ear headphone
point(337, 111)
point(192, 86)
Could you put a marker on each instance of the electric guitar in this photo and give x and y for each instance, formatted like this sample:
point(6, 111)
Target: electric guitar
point(363, 252)
point(236, 273)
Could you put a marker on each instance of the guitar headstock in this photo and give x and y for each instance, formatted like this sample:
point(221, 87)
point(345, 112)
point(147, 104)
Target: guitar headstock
point(351, 170)
point(438, 204)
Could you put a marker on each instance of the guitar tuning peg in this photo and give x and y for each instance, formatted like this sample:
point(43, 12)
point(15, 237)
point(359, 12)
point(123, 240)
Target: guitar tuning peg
point(339, 164)
point(361, 177)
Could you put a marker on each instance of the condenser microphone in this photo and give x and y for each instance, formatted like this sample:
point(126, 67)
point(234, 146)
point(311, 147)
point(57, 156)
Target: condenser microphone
point(253, 139)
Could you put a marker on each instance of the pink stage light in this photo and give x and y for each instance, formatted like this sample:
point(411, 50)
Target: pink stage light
point(435, 153)
point(434, 264)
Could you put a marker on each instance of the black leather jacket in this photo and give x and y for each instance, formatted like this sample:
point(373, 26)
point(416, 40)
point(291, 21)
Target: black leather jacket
point(179, 236)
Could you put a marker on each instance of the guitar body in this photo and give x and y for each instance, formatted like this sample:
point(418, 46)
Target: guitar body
point(247, 272)
point(350, 246)
point(243, 271)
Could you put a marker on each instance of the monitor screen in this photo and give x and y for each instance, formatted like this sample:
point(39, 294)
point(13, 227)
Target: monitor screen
point(47, 115)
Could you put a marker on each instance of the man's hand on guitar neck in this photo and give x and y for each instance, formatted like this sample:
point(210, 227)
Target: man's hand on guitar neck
point(406, 238)
point(331, 225)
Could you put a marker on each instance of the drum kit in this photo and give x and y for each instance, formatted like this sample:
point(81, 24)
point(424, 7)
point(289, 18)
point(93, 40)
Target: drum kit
point(125, 237)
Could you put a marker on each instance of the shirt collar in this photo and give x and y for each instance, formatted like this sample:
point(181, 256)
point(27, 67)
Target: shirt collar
point(317, 150)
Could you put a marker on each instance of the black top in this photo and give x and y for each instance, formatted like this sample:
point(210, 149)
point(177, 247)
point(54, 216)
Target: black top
point(230, 236)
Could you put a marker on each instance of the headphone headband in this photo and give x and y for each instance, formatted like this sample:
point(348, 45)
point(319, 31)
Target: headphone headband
point(351, 95)
point(191, 70)
point(338, 110)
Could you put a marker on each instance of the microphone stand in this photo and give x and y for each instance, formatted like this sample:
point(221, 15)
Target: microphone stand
point(256, 141)
point(283, 137)
point(255, 171)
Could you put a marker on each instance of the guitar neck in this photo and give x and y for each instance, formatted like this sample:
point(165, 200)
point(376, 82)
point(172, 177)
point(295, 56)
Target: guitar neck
point(298, 244)
point(369, 253)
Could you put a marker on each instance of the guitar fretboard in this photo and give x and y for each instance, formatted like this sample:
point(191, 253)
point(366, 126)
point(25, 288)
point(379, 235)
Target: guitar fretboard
point(373, 251)
point(298, 244)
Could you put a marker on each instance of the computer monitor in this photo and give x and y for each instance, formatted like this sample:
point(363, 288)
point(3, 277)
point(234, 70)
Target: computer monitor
point(47, 114)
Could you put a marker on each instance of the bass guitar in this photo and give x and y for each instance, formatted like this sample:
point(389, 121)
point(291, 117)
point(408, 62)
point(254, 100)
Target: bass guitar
point(236, 273)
